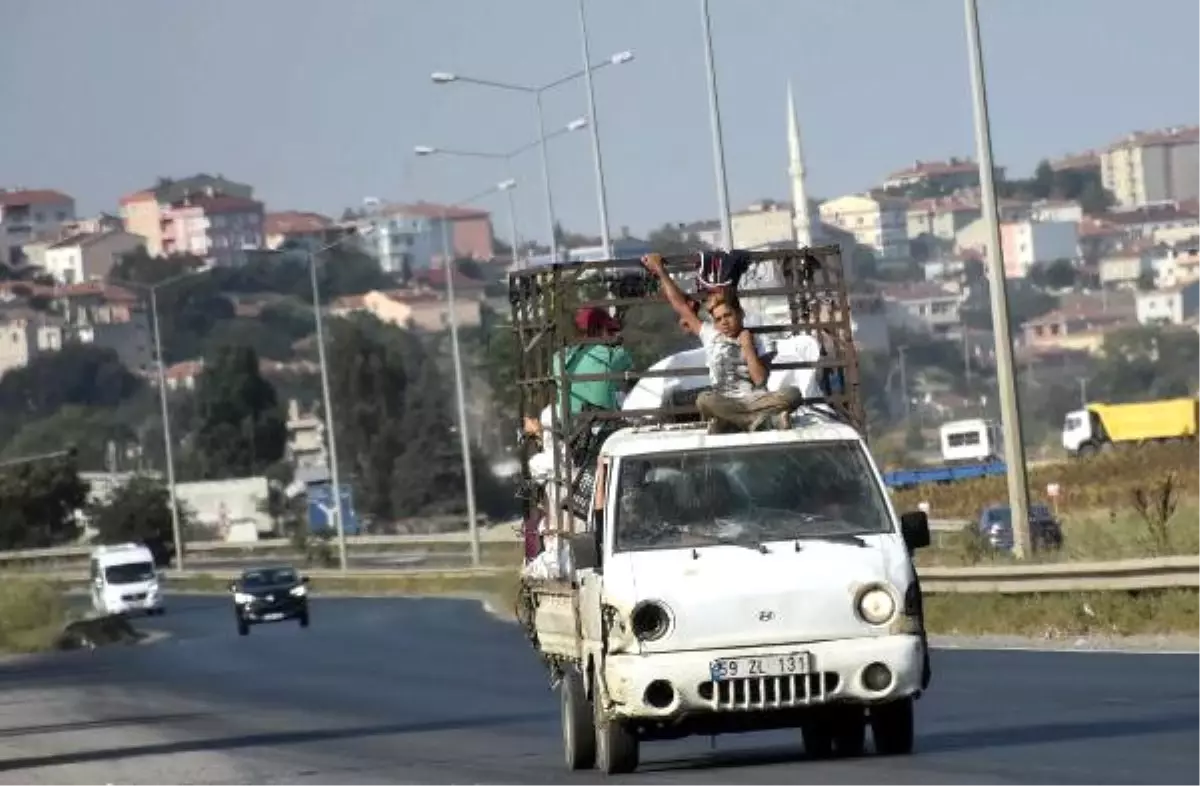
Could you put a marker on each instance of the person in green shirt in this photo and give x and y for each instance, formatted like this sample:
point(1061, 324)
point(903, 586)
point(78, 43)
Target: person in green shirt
point(606, 394)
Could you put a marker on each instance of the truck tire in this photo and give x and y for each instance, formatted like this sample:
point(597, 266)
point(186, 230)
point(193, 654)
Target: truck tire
point(835, 731)
point(617, 749)
point(892, 727)
point(578, 731)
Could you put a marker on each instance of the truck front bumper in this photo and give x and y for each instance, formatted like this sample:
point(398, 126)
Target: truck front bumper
point(860, 671)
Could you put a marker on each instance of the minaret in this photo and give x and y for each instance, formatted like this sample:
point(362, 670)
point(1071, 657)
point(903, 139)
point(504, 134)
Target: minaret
point(801, 221)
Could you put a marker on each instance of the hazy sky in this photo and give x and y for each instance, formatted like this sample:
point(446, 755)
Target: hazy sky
point(318, 103)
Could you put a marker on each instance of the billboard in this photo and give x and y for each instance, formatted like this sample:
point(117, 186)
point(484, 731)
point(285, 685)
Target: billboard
point(321, 510)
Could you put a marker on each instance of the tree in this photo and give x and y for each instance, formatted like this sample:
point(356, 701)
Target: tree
point(670, 240)
point(1059, 274)
point(38, 501)
point(88, 429)
point(139, 267)
point(79, 374)
point(138, 512)
point(242, 429)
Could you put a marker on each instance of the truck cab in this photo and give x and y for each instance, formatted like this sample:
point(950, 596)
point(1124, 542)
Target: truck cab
point(124, 579)
point(737, 582)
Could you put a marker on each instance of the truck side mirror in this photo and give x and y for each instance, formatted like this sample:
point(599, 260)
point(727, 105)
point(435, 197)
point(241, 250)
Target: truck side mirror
point(914, 527)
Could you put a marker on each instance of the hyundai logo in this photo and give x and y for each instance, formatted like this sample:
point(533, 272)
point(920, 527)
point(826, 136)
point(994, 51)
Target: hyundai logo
point(766, 616)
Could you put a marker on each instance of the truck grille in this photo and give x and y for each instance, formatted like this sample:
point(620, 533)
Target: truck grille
point(769, 693)
point(134, 596)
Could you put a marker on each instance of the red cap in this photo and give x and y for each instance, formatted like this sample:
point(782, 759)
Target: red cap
point(595, 319)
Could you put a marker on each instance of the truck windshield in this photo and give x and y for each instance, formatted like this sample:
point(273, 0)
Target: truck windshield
point(129, 572)
point(1073, 422)
point(747, 496)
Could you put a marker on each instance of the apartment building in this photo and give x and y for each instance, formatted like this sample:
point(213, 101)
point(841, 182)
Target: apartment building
point(219, 229)
point(942, 217)
point(107, 316)
point(876, 221)
point(88, 256)
point(1177, 305)
point(938, 176)
point(1023, 243)
point(923, 306)
point(1166, 222)
point(1079, 329)
point(1056, 210)
point(24, 213)
point(24, 333)
point(410, 236)
point(1153, 166)
point(297, 229)
point(144, 212)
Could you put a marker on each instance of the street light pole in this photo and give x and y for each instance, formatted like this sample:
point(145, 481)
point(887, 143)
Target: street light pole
point(176, 529)
point(541, 137)
point(445, 77)
point(327, 398)
point(714, 113)
point(601, 196)
point(1010, 415)
point(327, 404)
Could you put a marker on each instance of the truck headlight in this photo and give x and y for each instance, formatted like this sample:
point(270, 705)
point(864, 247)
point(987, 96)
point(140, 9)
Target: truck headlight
point(876, 605)
point(650, 621)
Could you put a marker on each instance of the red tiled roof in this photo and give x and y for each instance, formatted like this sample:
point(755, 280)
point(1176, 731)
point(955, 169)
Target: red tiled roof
point(436, 278)
point(138, 196)
point(1162, 136)
point(1088, 160)
point(33, 196)
point(1152, 214)
point(295, 221)
point(934, 168)
point(225, 204)
point(432, 210)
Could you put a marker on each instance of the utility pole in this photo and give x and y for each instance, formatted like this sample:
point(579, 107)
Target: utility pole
point(1010, 415)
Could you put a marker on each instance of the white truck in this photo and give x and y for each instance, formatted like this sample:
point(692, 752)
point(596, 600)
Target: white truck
point(721, 583)
point(124, 579)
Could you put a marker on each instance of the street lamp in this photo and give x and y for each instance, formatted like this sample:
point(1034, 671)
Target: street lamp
point(327, 400)
point(1010, 415)
point(714, 115)
point(427, 150)
point(446, 77)
point(456, 355)
point(176, 529)
point(601, 196)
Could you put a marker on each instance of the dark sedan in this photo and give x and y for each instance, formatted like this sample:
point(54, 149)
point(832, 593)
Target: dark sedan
point(995, 526)
point(269, 594)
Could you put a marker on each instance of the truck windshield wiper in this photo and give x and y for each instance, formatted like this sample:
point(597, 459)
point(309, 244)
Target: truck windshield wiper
point(718, 540)
point(849, 540)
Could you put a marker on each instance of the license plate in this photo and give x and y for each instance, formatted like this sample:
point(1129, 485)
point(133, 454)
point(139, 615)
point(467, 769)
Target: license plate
point(761, 666)
point(273, 616)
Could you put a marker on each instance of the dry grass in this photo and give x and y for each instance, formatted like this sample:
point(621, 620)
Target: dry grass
point(1087, 537)
point(1105, 482)
point(32, 615)
point(1066, 614)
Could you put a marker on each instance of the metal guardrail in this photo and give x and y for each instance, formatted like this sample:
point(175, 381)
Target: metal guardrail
point(198, 551)
point(1131, 574)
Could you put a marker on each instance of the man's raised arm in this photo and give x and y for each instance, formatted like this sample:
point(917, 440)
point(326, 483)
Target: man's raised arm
point(688, 318)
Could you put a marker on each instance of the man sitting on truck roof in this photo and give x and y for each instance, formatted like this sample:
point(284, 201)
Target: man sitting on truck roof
point(736, 364)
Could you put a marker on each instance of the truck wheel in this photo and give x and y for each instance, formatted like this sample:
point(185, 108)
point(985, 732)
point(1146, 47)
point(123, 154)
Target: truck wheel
point(892, 727)
point(578, 733)
point(617, 748)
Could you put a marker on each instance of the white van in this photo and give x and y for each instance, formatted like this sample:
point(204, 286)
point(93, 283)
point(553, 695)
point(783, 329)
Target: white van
point(971, 440)
point(124, 579)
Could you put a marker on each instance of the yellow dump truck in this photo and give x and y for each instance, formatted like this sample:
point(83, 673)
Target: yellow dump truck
point(1086, 431)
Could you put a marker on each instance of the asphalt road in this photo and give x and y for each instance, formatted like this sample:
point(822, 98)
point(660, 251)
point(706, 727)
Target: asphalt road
point(407, 691)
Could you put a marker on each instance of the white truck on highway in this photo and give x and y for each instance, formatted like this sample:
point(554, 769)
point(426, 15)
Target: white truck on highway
point(719, 583)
